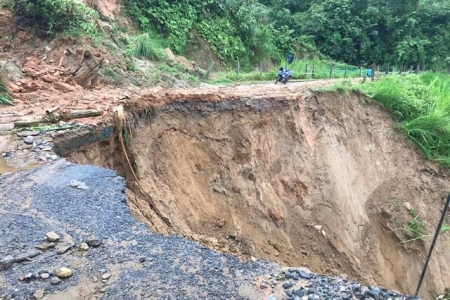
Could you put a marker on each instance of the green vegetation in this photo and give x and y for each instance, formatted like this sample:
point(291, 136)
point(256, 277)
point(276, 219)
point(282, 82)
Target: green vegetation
point(422, 105)
point(54, 16)
point(116, 78)
point(5, 97)
point(416, 227)
point(147, 46)
point(360, 33)
point(406, 32)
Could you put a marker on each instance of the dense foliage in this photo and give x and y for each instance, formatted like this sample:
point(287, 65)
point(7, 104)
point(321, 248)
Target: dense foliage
point(400, 32)
point(54, 16)
point(406, 32)
point(422, 105)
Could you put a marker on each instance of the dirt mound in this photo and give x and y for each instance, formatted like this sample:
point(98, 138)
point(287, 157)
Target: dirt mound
point(316, 180)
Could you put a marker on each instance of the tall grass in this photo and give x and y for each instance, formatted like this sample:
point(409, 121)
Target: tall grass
point(5, 97)
point(422, 105)
point(148, 46)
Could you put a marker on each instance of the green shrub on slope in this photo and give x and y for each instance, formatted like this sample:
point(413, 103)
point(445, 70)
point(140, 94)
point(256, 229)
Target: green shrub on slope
point(422, 105)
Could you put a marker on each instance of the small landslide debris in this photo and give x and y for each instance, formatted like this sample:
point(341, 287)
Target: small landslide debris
point(52, 236)
point(64, 272)
point(78, 184)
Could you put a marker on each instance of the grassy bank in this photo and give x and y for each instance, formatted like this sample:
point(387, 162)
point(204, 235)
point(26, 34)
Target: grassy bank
point(5, 97)
point(422, 105)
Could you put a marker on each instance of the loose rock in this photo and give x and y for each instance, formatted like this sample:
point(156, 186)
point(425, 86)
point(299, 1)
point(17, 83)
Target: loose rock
point(55, 280)
point(84, 246)
point(94, 243)
point(304, 274)
point(52, 236)
point(45, 246)
point(106, 276)
point(45, 275)
point(28, 133)
point(63, 248)
point(6, 262)
point(28, 140)
point(39, 294)
point(64, 273)
point(25, 256)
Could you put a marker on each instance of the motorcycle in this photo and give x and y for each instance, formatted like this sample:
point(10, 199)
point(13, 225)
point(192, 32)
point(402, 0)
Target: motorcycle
point(283, 76)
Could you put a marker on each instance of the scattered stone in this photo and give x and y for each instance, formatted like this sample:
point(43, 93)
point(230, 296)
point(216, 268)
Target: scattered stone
point(29, 276)
point(304, 274)
point(408, 205)
point(6, 262)
point(6, 127)
point(63, 87)
point(55, 280)
point(26, 256)
point(318, 227)
point(142, 259)
point(287, 285)
point(28, 133)
point(103, 290)
point(94, 243)
point(45, 245)
point(78, 184)
point(299, 293)
point(95, 279)
point(28, 140)
point(106, 276)
point(64, 272)
point(45, 275)
point(47, 78)
point(346, 296)
point(52, 236)
point(288, 275)
point(271, 297)
point(39, 294)
point(373, 292)
point(84, 246)
point(63, 248)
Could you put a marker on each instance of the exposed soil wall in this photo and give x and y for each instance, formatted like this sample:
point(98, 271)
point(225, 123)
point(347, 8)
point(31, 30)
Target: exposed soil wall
point(319, 180)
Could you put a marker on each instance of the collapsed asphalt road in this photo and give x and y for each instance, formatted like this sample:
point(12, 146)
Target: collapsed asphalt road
point(67, 233)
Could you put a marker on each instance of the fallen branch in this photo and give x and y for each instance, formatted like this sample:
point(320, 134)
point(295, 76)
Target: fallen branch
point(84, 113)
point(52, 110)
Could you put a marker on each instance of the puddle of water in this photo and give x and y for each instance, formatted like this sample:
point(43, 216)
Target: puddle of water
point(5, 168)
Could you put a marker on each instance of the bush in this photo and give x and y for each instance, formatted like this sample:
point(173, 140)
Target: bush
point(55, 15)
point(5, 97)
point(422, 105)
point(148, 47)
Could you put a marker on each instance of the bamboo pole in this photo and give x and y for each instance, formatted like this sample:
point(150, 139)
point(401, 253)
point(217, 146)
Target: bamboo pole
point(84, 113)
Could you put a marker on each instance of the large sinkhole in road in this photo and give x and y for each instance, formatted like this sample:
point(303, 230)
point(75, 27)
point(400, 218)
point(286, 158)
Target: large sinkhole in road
point(321, 181)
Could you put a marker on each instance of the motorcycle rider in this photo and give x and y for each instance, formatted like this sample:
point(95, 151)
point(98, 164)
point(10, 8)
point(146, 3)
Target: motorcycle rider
point(284, 73)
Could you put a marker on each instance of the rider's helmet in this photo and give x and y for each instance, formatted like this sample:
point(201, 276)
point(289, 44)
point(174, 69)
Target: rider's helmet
point(281, 69)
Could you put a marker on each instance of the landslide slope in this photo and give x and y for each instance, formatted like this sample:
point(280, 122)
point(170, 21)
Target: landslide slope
point(313, 179)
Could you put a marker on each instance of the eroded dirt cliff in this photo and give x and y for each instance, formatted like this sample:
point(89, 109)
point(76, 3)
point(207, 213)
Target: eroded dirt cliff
point(306, 179)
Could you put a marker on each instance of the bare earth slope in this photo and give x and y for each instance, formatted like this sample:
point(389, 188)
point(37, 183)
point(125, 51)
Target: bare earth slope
point(277, 172)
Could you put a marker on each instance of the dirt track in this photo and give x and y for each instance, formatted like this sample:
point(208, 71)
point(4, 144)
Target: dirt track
point(35, 103)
